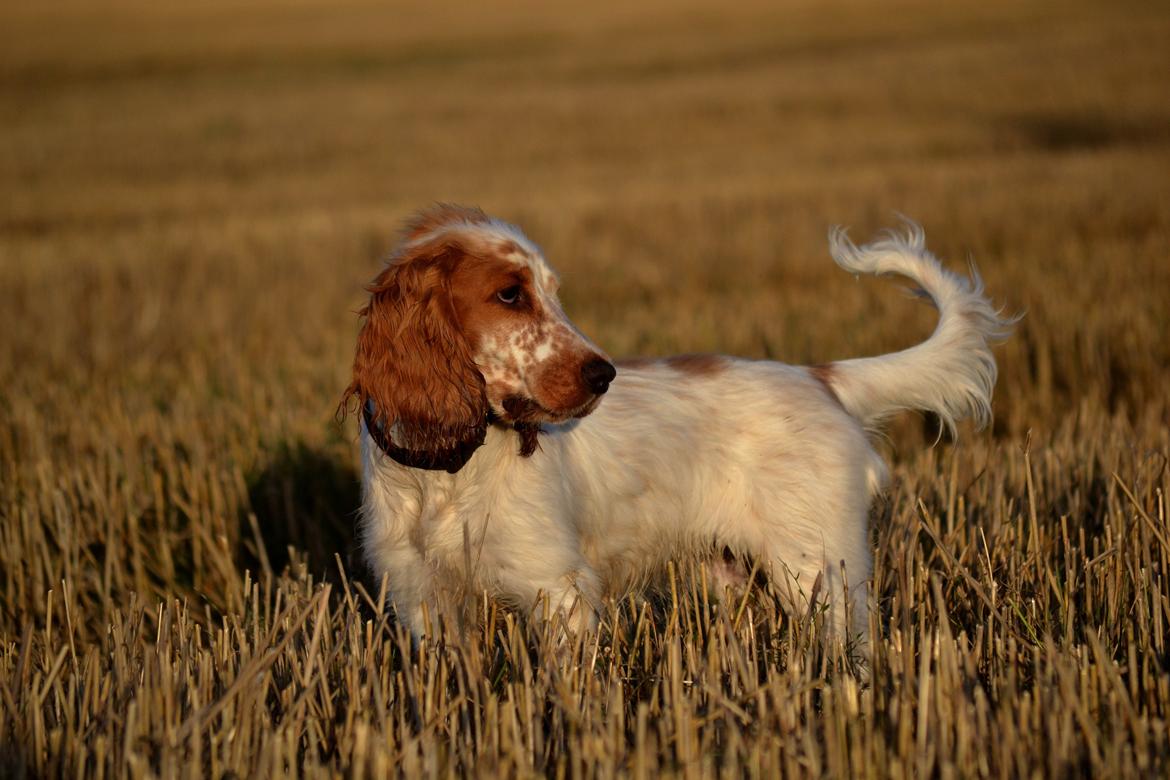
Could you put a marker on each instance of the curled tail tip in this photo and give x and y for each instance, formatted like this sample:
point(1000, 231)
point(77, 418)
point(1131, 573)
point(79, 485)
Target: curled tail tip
point(868, 257)
point(839, 239)
point(845, 253)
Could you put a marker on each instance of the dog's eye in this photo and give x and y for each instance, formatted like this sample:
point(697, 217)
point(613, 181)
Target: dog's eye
point(509, 295)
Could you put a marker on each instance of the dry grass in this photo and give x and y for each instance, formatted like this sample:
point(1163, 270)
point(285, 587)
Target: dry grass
point(193, 196)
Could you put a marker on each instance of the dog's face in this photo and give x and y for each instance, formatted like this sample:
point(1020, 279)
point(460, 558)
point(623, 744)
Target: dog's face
point(537, 366)
point(465, 321)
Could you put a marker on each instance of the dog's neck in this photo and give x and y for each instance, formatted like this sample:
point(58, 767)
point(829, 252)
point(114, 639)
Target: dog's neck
point(453, 458)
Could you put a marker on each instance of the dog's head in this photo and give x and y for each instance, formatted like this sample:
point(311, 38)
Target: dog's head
point(463, 325)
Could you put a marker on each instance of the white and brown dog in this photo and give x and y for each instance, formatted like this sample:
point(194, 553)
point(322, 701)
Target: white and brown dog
point(483, 428)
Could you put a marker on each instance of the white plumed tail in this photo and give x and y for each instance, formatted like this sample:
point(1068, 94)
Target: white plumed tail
point(953, 372)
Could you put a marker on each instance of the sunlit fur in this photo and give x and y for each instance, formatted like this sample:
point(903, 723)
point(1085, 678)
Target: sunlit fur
point(682, 456)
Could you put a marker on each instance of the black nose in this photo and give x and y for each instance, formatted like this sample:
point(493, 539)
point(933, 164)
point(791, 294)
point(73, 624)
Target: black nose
point(597, 374)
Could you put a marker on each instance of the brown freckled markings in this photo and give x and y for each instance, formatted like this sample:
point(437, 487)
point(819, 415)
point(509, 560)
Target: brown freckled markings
point(697, 365)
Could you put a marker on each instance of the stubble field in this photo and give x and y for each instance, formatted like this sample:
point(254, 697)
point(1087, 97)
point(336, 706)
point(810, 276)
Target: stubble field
point(191, 199)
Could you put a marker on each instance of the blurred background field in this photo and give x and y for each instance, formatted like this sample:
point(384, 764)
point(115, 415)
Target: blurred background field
point(191, 196)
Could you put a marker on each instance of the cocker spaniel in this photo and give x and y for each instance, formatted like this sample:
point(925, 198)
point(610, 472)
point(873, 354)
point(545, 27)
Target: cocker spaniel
point(504, 451)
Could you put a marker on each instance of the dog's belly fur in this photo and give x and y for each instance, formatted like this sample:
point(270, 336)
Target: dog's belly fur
point(755, 456)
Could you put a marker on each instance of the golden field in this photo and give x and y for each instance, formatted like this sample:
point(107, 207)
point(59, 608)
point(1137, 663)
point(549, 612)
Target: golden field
point(193, 196)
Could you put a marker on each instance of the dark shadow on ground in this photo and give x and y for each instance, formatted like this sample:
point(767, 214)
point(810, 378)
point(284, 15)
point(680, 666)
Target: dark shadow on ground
point(306, 499)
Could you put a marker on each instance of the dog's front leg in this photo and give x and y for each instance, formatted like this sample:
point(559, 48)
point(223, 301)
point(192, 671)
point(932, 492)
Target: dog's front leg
point(576, 597)
point(568, 585)
point(410, 585)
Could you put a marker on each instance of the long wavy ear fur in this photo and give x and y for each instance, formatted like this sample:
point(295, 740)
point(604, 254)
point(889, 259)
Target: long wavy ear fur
point(413, 375)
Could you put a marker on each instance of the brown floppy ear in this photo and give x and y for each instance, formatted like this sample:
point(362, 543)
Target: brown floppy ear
point(422, 397)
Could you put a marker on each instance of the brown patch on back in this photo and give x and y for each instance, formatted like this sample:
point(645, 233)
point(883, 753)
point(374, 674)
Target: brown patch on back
point(697, 365)
point(823, 373)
